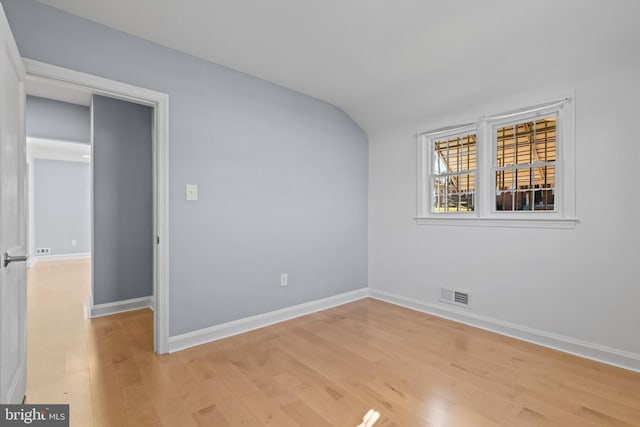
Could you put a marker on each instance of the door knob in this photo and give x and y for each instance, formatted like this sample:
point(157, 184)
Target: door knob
point(8, 259)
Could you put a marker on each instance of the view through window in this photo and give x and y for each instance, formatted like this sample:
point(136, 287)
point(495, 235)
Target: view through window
point(525, 165)
point(454, 174)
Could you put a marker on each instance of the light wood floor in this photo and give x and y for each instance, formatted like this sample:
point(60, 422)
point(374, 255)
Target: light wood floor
point(326, 369)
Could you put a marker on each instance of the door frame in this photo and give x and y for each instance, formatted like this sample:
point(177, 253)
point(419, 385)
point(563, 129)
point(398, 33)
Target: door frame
point(64, 77)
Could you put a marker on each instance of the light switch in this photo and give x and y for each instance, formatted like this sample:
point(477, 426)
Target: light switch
point(192, 192)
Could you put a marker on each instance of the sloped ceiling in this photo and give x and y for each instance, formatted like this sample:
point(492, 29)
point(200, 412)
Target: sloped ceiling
point(384, 62)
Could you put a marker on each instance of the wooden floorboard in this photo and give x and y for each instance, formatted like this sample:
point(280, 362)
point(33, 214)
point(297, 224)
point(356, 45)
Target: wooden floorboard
point(324, 369)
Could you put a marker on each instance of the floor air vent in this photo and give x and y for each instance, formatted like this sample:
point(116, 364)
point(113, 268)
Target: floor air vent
point(454, 296)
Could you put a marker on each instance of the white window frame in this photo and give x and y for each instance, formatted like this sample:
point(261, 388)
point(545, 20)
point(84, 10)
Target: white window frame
point(485, 214)
point(426, 160)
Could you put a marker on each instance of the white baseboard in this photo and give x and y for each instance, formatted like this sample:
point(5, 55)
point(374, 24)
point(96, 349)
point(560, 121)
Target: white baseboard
point(224, 330)
point(99, 310)
point(59, 257)
point(600, 353)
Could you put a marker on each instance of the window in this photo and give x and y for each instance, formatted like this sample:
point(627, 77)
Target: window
point(514, 169)
point(453, 164)
point(524, 165)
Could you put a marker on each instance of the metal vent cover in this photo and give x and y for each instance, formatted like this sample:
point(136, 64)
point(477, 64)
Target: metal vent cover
point(461, 298)
point(454, 296)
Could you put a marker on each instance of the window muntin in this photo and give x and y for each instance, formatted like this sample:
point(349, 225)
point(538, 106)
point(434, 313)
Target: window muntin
point(453, 173)
point(524, 165)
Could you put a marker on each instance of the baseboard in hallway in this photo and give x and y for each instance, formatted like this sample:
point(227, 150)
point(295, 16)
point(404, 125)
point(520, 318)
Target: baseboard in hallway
point(60, 257)
point(99, 310)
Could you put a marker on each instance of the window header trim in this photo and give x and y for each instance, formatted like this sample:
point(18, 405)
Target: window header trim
point(512, 114)
point(540, 108)
point(449, 130)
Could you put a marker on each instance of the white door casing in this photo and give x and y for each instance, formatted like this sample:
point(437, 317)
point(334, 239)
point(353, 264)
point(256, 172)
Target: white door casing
point(63, 77)
point(13, 219)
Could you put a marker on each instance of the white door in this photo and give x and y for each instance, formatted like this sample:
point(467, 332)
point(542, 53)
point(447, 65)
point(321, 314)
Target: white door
point(13, 220)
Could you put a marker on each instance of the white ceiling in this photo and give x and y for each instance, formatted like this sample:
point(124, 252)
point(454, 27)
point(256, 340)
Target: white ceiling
point(383, 61)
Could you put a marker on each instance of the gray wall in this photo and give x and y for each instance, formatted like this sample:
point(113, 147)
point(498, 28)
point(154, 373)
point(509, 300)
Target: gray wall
point(46, 118)
point(62, 206)
point(122, 201)
point(282, 177)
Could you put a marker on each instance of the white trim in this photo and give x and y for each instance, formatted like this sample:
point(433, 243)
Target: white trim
point(474, 221)
point(564, 164)
point(425, 171)
point(59, 257)
point(523, 113)
point(449, 131)
point(42, 72)
point(99, 310)
point(224, 330)
point(599, 353)
point(493, 124)
point(31, 240)
point(161, 270)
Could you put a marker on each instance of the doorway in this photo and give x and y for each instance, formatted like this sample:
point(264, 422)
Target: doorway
point(91, 244)
point(59, 79)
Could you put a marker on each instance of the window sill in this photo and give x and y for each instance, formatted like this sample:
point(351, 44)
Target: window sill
point(561, 223)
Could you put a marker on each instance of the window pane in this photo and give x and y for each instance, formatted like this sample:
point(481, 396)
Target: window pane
point(526, 143)
point(526, 181)
point(455, 154)
point(546, 140)
point(467, 183)
point(524, 200)
point(454, 193)
point(525, 189)
point(453, 184)
point(461, 193)
point(543, 200)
